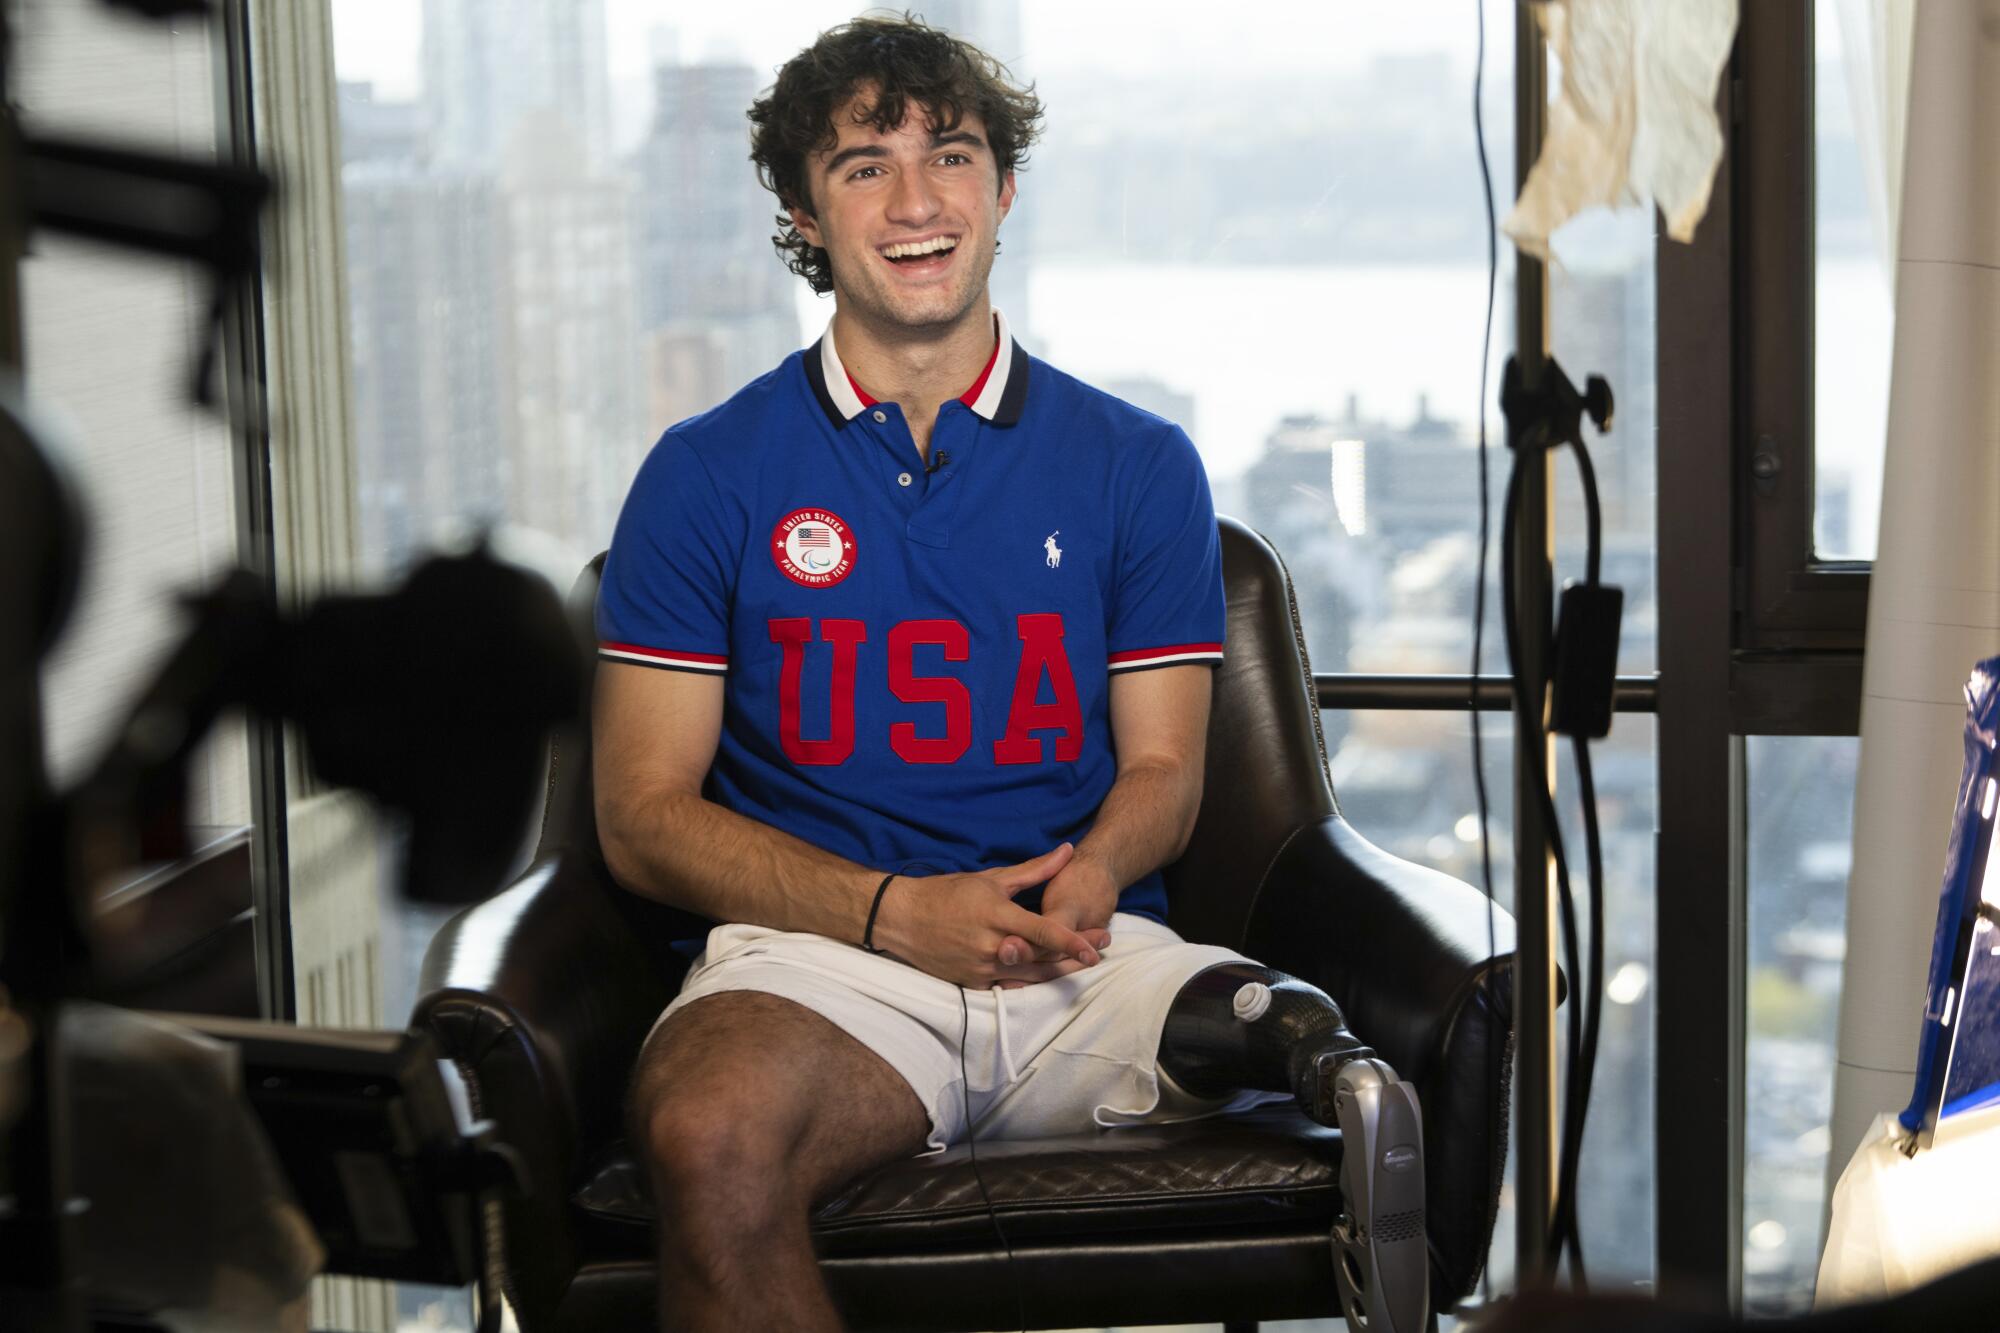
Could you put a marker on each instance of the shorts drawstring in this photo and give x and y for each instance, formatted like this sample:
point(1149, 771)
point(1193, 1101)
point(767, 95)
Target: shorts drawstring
point(1000, 1027)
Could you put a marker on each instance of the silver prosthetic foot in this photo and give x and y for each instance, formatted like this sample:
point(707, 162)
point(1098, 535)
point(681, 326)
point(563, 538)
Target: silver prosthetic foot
point(1380, 1260)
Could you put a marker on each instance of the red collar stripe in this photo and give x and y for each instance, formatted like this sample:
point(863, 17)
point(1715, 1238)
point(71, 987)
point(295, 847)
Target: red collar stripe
point(969, 397)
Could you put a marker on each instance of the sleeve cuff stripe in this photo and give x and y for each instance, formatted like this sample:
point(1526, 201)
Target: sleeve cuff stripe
point(1151, 657)
point(627, 652)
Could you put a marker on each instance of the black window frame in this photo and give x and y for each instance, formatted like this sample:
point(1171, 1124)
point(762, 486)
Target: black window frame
point(1758, 637)
point(1788, 601)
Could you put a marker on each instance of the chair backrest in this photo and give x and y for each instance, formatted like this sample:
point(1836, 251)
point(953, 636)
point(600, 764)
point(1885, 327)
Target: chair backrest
point(1266, 775)
point(569, 817)
point(1266, 771)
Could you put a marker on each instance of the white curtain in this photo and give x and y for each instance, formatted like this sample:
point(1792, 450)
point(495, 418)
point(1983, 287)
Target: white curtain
point(1875, 37)
point(1934, 607)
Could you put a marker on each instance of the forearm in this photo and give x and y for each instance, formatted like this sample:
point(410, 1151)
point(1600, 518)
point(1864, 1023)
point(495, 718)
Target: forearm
point(697, 856)
point(1145, 822)
point(693, 854)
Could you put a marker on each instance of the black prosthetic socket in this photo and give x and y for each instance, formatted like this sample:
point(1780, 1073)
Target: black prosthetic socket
point(1294, 1046)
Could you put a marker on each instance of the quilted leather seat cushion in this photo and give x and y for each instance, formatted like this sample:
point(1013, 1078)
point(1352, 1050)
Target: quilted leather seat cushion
point(1270, 1167)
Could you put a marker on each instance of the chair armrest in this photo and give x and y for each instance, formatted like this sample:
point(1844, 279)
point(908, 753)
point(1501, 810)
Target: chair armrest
point(1405, 952)
point(561, 975)
point(542, 995)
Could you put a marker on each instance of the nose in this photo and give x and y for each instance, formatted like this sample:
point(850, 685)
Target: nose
point(912, 202)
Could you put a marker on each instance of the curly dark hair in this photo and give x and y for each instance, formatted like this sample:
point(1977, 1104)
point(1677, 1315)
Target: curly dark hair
point(905, 61)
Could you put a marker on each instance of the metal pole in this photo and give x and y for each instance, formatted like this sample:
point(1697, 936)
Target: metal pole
point(245, 402)
point(13, 214)
point(1534, 960)
point(1350, 691)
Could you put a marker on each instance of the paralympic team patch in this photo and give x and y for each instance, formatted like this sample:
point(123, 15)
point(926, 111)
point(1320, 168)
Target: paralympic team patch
point(813, 548)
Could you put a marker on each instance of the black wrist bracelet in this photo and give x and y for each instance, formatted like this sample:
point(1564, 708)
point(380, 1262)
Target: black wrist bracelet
point(868, 932)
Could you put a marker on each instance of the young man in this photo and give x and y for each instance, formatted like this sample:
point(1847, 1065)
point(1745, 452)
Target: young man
point(905, 676)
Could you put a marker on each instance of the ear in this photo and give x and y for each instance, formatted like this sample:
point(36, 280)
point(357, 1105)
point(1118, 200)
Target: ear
point(808, 226)
point(1006, 195)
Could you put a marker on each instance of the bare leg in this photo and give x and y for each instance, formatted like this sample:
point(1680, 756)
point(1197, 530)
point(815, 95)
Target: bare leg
point(751, 1108)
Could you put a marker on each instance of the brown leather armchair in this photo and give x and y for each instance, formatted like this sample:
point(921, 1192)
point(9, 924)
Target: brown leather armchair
point(543, 994)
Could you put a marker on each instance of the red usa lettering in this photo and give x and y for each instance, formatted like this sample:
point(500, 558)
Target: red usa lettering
point(1041, 655)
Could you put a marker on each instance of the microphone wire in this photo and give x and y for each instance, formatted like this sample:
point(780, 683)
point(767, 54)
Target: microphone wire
point(971, 1146)
point(1494, 1048)
point(965, 1090)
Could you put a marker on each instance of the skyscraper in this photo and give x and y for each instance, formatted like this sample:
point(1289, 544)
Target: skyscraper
point(1602, 321)
point(373, 130)
point(429, 353)
point(487, 63)
point(573, 335)
point(715, 300)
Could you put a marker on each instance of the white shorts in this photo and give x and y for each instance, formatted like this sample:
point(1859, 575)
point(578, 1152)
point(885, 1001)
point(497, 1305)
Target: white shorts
point(1058, 1057)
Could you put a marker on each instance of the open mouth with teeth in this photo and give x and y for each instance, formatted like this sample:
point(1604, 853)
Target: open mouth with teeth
point(934, 252)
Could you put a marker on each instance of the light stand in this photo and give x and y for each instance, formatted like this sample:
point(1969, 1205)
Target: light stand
point(1533, 560)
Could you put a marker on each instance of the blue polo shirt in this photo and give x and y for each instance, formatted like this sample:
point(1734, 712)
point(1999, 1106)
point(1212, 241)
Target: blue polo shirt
point(917, 663)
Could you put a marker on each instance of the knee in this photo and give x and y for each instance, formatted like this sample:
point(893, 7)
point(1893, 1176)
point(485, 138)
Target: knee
point(714, 1156)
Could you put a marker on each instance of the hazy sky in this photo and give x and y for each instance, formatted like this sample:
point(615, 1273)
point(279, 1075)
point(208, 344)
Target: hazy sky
point(378, 39)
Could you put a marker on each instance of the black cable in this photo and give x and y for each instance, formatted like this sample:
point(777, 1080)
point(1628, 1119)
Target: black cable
point(1587, 794)
point(1593, 988)
point(1590, 991)
point(965, 1090)
point(1586, 1010)
point(1485, 530)
point(971, 1147)
point(1592, 519)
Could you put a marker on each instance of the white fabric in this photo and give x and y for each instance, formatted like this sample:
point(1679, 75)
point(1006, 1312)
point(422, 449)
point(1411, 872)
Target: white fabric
point(1060, 1057)
point(841, 389)
point(837, 384)
point(1934, 605)
point(1899, 1222)
point(1635, 122)
point(1875, 37)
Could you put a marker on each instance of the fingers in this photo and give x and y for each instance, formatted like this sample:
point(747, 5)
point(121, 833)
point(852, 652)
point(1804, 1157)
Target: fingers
point(1014, 949)
point(1028, 874)
point(1043, 933)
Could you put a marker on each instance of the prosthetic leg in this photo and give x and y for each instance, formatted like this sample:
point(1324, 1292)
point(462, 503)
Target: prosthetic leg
point(1243, 1025)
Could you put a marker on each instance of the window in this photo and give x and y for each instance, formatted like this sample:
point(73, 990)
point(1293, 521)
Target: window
point(1801, 810)
point(111, 339)
point(1857, 152)
point(1764, 607)
point(1814, 235)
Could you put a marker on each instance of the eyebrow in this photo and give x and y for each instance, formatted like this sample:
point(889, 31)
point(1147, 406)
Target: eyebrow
point(872, 150)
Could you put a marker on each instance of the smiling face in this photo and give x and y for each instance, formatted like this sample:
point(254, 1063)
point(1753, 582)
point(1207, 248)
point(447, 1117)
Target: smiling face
point(908, 217)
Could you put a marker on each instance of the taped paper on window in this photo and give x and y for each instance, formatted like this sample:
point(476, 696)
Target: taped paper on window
point(1635, 122)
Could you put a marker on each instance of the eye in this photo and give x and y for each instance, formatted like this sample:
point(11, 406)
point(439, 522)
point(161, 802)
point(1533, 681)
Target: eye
point(862, 171)
point(952, 159)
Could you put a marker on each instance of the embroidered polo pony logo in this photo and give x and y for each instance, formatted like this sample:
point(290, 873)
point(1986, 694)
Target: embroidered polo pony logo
point(1055, 552)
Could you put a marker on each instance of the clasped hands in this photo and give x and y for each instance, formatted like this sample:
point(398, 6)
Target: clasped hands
point(967, 929)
